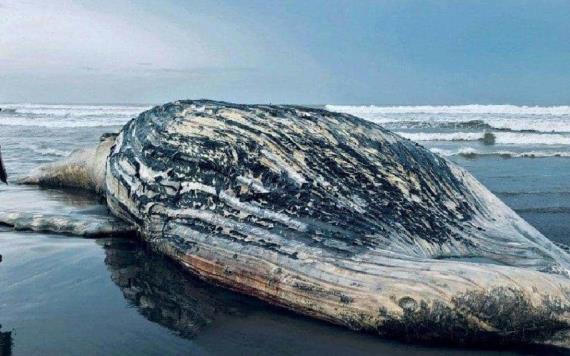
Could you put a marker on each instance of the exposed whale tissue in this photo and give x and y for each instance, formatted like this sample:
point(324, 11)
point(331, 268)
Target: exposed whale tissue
point(323, 213)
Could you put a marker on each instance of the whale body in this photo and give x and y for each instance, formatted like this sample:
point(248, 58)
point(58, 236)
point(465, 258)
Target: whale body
point(330, 216)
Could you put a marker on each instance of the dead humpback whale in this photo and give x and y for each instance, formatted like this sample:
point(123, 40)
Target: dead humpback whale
point(330, 216)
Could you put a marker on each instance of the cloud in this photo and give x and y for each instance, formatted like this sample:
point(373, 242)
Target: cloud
point(62, 34)
point(204, 70)
point(121, 51)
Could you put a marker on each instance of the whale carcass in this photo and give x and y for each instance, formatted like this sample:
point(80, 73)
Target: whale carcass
point(330, 216)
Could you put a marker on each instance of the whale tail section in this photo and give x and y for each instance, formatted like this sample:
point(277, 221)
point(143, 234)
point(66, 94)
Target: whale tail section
point(3, 174)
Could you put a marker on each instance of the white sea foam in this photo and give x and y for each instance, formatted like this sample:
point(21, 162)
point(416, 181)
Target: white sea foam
point(68, 115)
point(75, 110)
point(61, 123)
point(455, 109)
point(504, 117)
point(47, 151)
point(506, 138)
point(471, 152)
point(441, 136)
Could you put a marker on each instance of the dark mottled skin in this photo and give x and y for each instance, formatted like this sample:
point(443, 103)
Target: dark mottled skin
point(503, 309)
point(388, 211)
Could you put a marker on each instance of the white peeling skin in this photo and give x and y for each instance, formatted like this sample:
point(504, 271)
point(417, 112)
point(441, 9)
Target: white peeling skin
point(86, 226)
point(253, 184)
point(241, 206)
point(281, 166)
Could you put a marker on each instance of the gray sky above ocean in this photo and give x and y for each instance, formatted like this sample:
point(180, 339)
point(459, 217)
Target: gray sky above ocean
point(343, 52)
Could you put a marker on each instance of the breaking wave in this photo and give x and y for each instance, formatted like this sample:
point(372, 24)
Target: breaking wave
point(47, 151)
point(470, 152)
point(506, 138)
point(545, 210)
point(496, 117)
point(531, 193)
point(67, 115)
point(455, 109)
point(453, 125)
point(75, 110)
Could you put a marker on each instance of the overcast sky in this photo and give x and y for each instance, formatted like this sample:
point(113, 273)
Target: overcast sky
point(307, 52)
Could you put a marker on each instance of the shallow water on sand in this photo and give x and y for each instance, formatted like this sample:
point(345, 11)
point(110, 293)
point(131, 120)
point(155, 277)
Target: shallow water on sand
point(66, 295)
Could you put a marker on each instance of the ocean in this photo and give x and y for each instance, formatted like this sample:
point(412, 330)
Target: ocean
point(112, 296)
